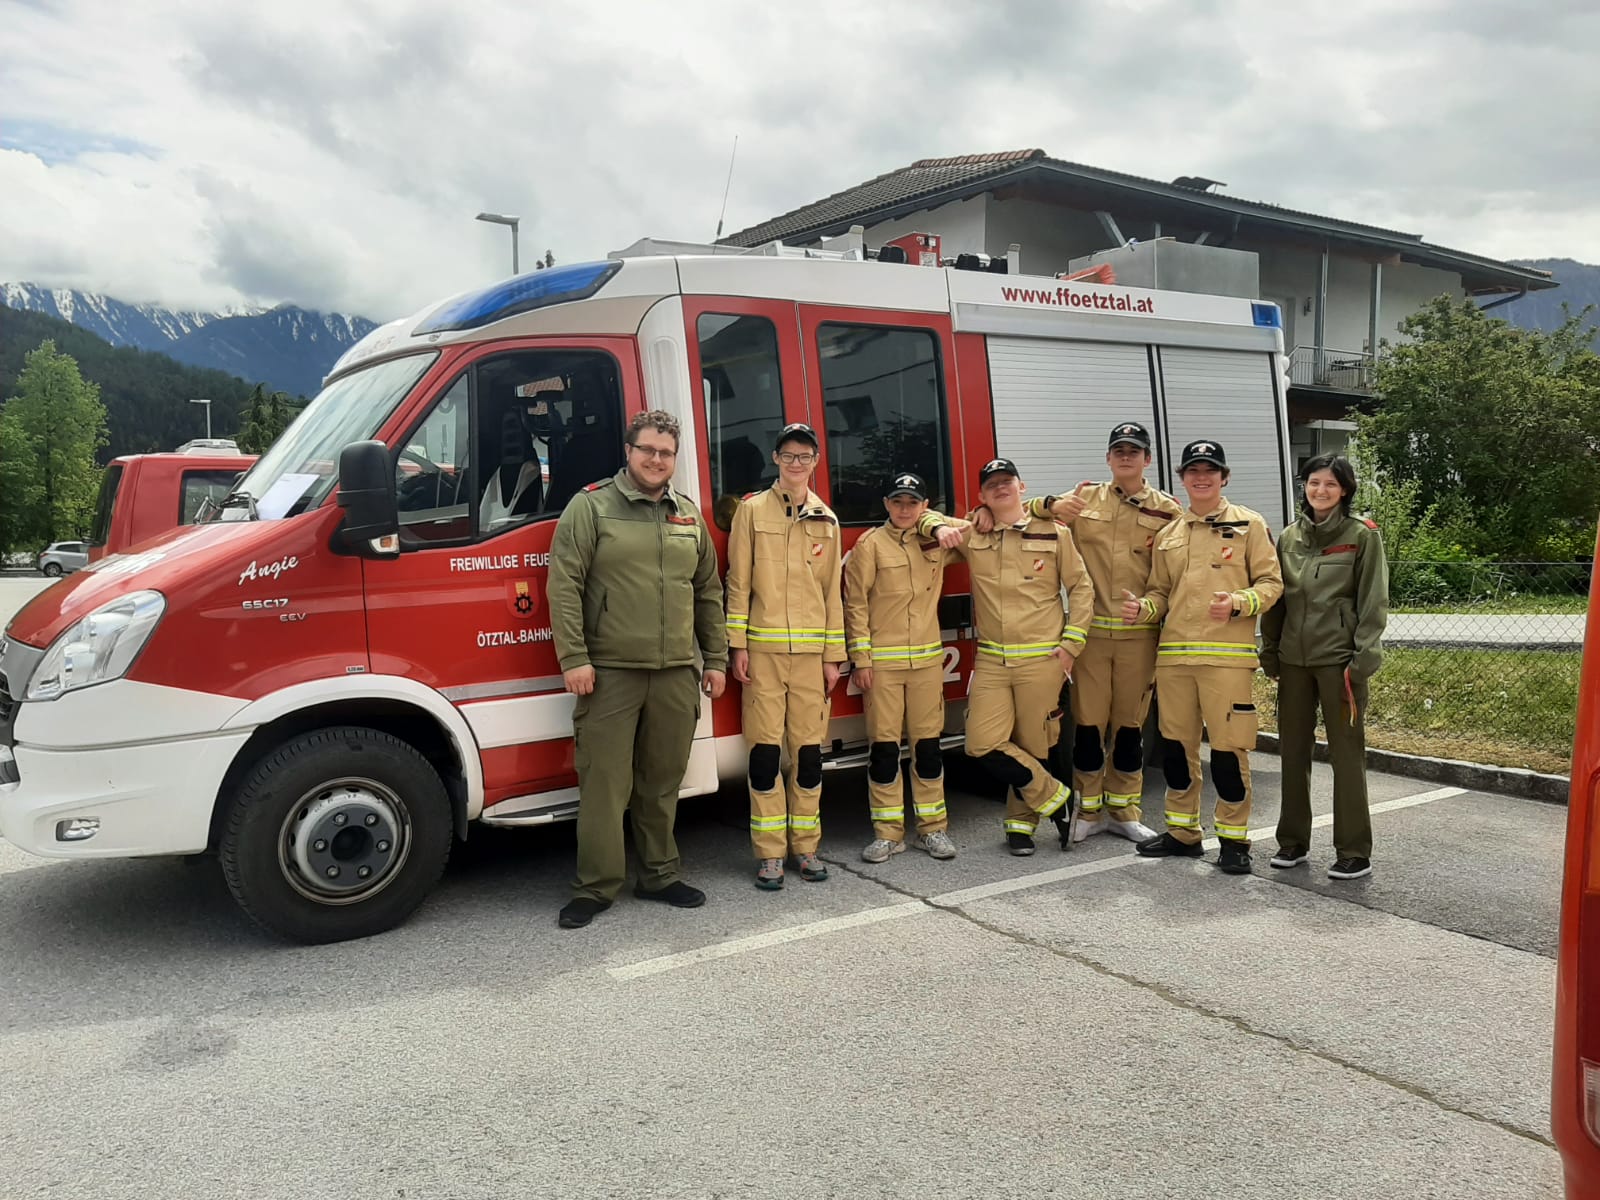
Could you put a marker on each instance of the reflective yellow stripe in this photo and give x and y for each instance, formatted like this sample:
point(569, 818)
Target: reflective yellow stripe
point(787, 630)
point(797, 822)
point(1016, 649)
point(1019, 827)
point(1090, 804)
point(1236, 832)
point(930, 810)
point(1251, 601)
point(1118, 800)
point(769, 824)
point(888, 814)
point(1149, 607)
point(1182, 820)
point(1073, 633)
point(861, 644)
point(1053, 805)
point(1215, 649)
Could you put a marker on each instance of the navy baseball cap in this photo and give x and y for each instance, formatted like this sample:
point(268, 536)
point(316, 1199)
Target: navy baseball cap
point(1130, 431)
point(997, 466)
point(797, 430)
point(907, 484)
point(1203, 451)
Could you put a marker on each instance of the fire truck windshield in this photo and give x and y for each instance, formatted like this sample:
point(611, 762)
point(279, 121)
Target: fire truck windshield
point(300, 469)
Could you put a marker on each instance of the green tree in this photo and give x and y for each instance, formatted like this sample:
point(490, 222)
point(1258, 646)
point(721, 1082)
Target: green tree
point(19, 493)
point(55, 424)
point(266, 415)
point(1497, 428)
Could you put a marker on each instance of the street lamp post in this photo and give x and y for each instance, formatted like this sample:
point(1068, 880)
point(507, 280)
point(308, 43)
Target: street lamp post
point(207, 403)
point(499, 219)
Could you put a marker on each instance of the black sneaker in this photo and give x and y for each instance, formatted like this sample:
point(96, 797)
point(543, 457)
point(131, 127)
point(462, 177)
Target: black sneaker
point(678, 894)
point(1020, 843)
point(1063, 823)
point(1289, 856)
point(1350, 868)
point(1233, 856)
point(1164, 845)
point(580, 910)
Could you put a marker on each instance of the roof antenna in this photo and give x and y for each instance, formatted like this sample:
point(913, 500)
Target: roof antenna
point(725, 188)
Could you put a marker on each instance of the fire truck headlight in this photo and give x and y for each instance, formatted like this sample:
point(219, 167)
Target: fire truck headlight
point(99, 648)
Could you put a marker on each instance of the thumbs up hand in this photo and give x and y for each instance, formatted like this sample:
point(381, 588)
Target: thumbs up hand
point(1067, 508)
point(1131, 608)
point(1221, 606)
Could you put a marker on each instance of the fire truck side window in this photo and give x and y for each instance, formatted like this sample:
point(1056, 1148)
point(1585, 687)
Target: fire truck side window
point(744, 405)
point(883, 397)
point(432, 489)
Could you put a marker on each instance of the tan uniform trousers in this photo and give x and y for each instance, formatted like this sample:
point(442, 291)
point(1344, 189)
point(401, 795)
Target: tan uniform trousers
point(785, 708)
point(1015, 711)
point(913, 701)
point(1111, 686)
point(1220, 699)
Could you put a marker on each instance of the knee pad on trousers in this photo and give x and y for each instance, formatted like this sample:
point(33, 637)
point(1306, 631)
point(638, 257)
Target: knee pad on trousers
point(883, 762)
point(1007, 769)
point(1175, 763)
point(808, 767)
point(1127, 751)
point(928, 758)
point(1088, 754)
point(764, 767)
point(1226, 775)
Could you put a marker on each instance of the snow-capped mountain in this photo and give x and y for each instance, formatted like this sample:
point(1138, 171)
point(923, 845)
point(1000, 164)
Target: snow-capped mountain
point(287, 347)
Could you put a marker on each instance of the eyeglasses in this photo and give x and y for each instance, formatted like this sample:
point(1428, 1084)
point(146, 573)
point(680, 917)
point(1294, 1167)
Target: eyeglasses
point(652, 452)
point(790, 459)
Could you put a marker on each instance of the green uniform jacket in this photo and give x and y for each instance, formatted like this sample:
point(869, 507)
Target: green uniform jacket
point(633, 582)
point(1335, 598)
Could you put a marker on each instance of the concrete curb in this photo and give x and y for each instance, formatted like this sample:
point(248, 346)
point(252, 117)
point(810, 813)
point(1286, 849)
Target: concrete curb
point(1510, 781)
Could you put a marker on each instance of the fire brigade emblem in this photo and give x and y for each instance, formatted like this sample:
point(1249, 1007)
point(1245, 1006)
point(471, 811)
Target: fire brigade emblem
point(816, 549)
point(1204, 448)
point(1038, 564)
point(520, 598)
point(1227, 552)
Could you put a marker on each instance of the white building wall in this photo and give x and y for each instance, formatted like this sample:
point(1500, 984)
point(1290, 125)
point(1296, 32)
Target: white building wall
point(959, 224)
point(1050, 236)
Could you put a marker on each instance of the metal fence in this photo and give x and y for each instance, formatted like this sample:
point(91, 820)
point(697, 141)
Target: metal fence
point(1344, 370)
point(1481, 663)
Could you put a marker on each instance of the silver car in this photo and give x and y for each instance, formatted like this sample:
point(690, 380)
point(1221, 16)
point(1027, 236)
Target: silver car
point(59, 558)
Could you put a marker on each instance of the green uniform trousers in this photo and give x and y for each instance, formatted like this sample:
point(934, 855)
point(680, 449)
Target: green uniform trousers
point(1300, 692)
point(633, 735)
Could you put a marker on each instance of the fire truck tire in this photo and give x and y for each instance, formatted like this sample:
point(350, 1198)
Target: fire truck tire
point(336, 834)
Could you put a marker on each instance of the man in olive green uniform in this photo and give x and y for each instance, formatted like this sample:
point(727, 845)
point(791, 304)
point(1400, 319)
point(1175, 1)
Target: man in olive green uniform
point(633, 591)
point(1322, 645)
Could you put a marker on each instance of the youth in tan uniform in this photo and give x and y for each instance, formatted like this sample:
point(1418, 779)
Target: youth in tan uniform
point(1215, 573)
point(786, 636)
point(1026, 646)
point(891, 619)
point(1115, 525)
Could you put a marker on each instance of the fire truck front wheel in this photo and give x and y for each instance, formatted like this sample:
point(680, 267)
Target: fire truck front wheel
point(336, 834)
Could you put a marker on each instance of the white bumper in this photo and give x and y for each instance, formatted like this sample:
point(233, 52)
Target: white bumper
point(149, 799)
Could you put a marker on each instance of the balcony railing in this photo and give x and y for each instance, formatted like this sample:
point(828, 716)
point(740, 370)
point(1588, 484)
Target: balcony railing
point(1338, 370)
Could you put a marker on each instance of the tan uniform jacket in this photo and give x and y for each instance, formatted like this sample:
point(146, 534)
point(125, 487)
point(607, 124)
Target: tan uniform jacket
point(1228, 550)
point(892, 583)
point(1018, 573)
point(784, 575)
point(1116, 534)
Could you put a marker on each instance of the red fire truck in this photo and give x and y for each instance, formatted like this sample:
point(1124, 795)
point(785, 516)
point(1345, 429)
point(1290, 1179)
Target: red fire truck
point(143, 495)
point(1575, 1093)
point(332, 681)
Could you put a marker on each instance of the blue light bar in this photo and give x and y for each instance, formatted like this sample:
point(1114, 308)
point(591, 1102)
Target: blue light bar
point(1267, 314)
point(523, 293)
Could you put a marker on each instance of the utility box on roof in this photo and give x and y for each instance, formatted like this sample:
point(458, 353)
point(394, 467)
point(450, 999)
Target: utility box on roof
point(1173, 266)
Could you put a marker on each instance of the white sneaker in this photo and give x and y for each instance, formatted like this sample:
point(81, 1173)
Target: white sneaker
point(1083, 828)
point(1286, 858)
point(1134, 831)
point(937, 843)
point(880, 849)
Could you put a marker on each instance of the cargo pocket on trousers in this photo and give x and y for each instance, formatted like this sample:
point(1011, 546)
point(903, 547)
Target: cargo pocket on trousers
point(1242, 723)
point(1052, 727)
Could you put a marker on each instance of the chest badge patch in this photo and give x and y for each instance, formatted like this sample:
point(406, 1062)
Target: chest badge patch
point(816, 549)
point(1038, 564)
point(1227, 552)
point(1149, 541)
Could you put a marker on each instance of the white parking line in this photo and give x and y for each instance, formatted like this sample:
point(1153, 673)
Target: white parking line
point(912, 908)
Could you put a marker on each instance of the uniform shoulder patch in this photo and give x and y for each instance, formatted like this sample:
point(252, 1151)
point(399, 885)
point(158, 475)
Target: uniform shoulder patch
point(749, 496)
point(598, 484)
point(1368, 522)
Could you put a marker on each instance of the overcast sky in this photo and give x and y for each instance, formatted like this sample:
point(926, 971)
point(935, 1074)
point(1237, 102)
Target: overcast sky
point(333, 153)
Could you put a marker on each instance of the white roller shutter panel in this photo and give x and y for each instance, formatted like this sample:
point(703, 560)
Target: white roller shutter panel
point(1228, 395)
point(1056, 401)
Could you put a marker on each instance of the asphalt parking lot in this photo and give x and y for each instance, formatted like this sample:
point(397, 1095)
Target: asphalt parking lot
point(1080, 1024)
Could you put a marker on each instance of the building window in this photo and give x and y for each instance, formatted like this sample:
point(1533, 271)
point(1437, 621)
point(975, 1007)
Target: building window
point(741, 381)
point(883, 401)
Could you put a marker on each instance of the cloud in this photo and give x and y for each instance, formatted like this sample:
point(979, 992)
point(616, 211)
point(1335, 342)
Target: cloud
point(333, 155)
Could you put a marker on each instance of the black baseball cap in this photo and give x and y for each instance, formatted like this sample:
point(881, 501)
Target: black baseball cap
point(907, 484)
point(797, 430)
point(997, 466)
point(1203, 451)
point(1130, 431)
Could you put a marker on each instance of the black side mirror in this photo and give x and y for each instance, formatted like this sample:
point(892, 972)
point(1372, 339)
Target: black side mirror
point(366, 493)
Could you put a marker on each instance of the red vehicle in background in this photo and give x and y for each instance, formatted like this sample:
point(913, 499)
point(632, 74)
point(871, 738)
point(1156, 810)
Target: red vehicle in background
point(143, 495)
point(1575, 1091)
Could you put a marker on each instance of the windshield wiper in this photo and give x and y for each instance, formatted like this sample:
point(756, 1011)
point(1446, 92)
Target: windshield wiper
point(238, 499)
